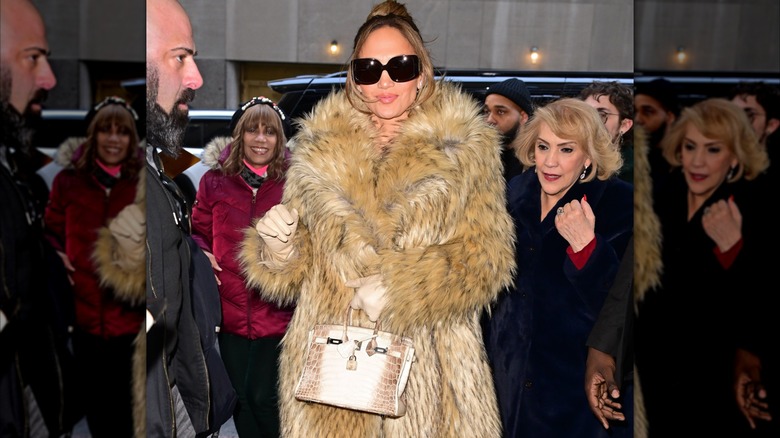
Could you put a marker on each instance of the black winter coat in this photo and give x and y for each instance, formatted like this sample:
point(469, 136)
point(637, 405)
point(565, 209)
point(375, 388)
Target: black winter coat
point(175, 358)
point(37, 300)
point(699, 301)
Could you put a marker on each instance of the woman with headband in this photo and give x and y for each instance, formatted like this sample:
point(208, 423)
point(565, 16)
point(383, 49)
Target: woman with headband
point(246, 179)
point(99, 179)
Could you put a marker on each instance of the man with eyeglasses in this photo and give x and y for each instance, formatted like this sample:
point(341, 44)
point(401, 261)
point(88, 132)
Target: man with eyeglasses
point(761, 102)
point(508, 107)
point(614, 102)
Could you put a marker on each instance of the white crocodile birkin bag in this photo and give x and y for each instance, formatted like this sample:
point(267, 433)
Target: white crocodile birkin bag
point(359, 368)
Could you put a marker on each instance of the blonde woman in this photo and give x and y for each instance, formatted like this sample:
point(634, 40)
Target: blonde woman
point(712, 236)
point(574, 218)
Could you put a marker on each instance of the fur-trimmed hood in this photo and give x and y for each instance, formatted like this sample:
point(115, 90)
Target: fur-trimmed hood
point(69, 151)
point(216, 152)
point(218, 149)
point(72, 148)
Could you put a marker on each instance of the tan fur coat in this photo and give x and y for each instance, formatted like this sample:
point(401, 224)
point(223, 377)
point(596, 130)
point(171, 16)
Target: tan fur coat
point(647, 248)
point(428, 215)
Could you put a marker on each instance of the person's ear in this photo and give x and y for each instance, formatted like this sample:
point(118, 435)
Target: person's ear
point(772, 125)
point(625, 125)
point(523, 117)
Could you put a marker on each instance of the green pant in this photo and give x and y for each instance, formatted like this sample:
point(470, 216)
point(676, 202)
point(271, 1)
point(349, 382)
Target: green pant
point(253, 369)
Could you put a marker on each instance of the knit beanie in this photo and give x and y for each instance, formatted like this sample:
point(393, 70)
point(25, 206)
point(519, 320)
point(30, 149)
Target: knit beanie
point(515, 90)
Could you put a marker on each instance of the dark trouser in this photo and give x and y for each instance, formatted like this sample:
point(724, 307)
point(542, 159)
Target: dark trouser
point(253, 369)
point(105, 366)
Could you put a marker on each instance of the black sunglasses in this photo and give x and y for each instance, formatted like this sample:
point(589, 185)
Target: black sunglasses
point(402, 68)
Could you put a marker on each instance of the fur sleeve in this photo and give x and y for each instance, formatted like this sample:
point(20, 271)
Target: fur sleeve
point(449, 281)
point(127, 280)
point(128, 284)
point(278, 284)
point(648, 265)
point(471, 259)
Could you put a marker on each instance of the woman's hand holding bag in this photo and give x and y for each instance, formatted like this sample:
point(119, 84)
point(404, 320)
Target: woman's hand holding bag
point(369, 295)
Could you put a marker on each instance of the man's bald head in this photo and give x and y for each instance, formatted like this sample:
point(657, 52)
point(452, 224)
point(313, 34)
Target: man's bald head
point(17, 18)
point(171, 73)
point(26, 74)
point(165, 19)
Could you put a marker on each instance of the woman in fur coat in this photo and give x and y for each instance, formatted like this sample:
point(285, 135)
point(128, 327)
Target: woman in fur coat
point(394, 205)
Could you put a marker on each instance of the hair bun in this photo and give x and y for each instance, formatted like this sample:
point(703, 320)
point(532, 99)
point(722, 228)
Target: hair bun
point(389, 7)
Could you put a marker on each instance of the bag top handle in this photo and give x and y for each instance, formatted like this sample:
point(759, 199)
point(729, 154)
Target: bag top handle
point(348, 322)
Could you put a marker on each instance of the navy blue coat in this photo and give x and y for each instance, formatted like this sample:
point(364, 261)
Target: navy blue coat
point(536, 337)
point(705, 305)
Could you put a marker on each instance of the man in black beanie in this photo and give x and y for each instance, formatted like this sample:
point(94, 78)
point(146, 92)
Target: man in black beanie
point(508, 106)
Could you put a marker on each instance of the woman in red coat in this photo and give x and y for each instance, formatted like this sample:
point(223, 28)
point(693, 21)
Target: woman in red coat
point(245, 180)
point(99, 179)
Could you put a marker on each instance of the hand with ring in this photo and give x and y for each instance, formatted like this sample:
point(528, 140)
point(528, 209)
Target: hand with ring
point(576, 223)
point(722, 221)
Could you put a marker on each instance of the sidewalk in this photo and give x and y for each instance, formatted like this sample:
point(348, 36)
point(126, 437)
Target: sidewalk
point(228, 430)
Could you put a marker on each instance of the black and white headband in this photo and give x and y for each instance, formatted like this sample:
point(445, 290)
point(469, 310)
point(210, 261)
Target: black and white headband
point(261, 100)
point(111, 100)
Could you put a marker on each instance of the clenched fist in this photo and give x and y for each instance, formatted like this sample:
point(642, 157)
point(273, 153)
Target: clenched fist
point(277, 229)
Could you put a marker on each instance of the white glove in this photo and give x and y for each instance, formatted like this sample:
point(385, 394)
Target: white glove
point(149, 320)
point(369, 295)
point(277, 229)
point(129, 230)
point(3, 320)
